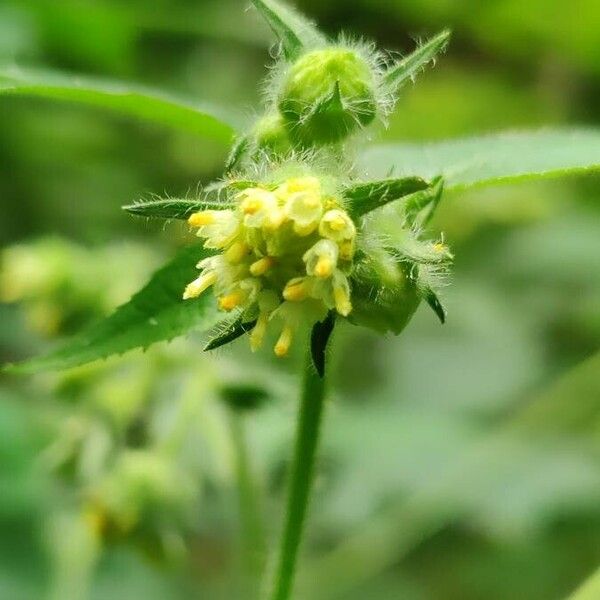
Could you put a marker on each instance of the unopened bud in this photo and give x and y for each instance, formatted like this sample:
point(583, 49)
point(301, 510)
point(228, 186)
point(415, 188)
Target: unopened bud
point(327, 95)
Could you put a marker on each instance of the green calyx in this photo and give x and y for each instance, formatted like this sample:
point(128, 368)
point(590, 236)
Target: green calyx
point(394, 303)
point(326, 95)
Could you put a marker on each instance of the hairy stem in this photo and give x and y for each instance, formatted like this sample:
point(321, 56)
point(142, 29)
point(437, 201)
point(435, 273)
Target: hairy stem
point(252, 534)
point(307, 435)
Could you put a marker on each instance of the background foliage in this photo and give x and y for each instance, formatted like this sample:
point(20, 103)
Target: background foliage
point(459, 462)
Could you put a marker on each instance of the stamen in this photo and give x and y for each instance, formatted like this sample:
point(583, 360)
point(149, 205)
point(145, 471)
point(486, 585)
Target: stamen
point(337, 223)
point(261, 266)
point(258, 332)
point(202, 218)
point(342, 301)
point(341, 294)
point(251, 206)
point(296, 290)
point(199, 285)
point(231, 301)
point(324, 267)
point(284, 342)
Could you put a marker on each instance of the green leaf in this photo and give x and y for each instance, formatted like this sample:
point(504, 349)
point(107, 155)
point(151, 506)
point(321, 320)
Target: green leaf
point(410, 66)
point(156, 313)
point(293, 30)
point(365, 197)
point(124, 98)
point(490, 159)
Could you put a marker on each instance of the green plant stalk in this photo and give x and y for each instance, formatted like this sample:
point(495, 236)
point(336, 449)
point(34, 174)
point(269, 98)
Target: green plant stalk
point(301, 479)
point(253, 542)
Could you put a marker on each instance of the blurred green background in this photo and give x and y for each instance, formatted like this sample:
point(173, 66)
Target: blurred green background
point(458, 462)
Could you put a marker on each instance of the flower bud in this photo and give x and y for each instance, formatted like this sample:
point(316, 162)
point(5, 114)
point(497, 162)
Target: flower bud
point(270, 135)
point(327, 94)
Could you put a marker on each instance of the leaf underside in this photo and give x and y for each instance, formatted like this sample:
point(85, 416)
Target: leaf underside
point(409, 67)
point(492, 159)
point(156, 313)
point(123, 98)
point(295, 32)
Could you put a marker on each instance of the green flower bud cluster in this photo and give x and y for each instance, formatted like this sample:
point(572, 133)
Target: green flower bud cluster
point(322, 97)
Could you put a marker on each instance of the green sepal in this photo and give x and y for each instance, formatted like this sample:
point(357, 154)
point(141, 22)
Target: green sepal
point(239, 148)
point(295, 32)
point(421, 206)
point(319, 338)
point(332, 102)
point(229, 333)
point(410, 66)
point(366, 197)
point(434, 302)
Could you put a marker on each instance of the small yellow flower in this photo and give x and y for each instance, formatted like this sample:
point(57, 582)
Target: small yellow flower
point(303, 204)
point(260, 208)
point(218, 227)
point(336, 225)
point(321, 259)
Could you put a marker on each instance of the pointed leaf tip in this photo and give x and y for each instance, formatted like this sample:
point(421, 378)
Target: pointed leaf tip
point(229, 333)
point(295, 32)
point(319, 338)
point(409, 67)
point(434, 302)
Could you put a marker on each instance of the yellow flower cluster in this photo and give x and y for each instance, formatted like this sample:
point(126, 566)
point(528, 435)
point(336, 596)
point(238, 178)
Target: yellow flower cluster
point(285, 254)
